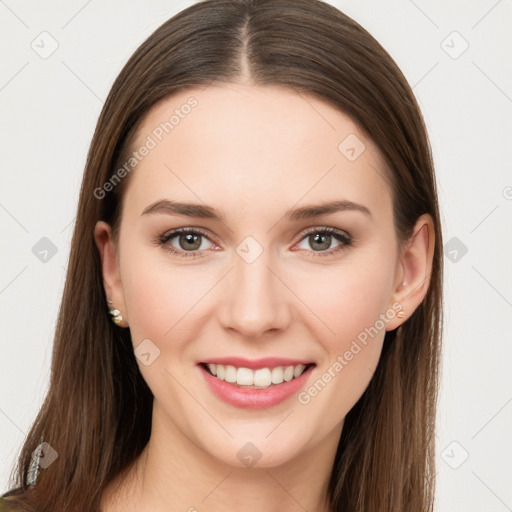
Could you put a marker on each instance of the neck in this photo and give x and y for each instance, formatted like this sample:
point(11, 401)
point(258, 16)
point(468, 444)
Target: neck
point(173, 474)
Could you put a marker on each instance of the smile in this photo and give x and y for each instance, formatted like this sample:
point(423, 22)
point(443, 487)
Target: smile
point(255, 384)
point(260, 378)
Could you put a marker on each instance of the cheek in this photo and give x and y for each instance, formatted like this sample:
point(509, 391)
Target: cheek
point(344, 299)
point(352, 353)
point(352, 308)
point(162, 302)
point(165, 300)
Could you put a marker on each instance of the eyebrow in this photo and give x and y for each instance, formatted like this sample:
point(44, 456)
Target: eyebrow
point(169, 207)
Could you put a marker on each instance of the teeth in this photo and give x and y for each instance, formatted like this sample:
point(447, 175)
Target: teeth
point(230, 375)
point(288, 373)
point(244, 377)
point(277, 375)
point(261, 378)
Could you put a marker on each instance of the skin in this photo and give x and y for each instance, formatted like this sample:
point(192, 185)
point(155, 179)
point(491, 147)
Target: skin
point(253, 153)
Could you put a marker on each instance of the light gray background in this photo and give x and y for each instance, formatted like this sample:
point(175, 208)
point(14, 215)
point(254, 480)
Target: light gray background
point(49, 109)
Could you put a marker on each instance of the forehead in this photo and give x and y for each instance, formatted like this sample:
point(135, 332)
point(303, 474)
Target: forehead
point(243, 147)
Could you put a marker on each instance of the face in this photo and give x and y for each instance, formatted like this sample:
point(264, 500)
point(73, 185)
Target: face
point(249, 286)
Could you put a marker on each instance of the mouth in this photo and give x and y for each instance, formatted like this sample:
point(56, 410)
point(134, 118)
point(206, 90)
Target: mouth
point(260, 384)
point(256, 378)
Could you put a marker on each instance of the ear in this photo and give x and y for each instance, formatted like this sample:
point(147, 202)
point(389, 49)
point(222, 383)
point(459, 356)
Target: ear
point(413, 270)
point(110, 268)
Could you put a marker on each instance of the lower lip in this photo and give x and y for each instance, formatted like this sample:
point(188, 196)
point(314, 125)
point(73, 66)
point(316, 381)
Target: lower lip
point(250, 398)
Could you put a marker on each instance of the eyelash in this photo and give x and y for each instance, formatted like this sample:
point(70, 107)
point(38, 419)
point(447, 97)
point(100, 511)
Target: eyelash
point(162, 240)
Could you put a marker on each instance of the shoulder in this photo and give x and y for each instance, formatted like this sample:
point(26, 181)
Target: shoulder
point(8, 501)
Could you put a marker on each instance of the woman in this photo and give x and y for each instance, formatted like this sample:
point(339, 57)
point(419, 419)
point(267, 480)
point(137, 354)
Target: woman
point(258, 218)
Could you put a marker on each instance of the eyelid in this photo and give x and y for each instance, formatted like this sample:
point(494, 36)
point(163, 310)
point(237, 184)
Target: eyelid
point(326, 229)
point(178, 231)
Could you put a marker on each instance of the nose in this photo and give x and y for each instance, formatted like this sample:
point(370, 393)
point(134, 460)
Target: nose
point(256, 299)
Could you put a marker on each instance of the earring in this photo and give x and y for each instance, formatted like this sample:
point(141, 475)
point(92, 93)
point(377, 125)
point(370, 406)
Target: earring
point(400, 314)
point(115, 313)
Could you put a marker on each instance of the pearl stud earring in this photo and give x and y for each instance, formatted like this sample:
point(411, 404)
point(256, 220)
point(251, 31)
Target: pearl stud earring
point(115, 313)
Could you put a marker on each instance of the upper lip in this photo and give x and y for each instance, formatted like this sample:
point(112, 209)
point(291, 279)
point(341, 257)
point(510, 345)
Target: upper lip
point(254, 364)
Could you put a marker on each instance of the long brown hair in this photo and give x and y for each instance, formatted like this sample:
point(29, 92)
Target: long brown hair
point(97, 411)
